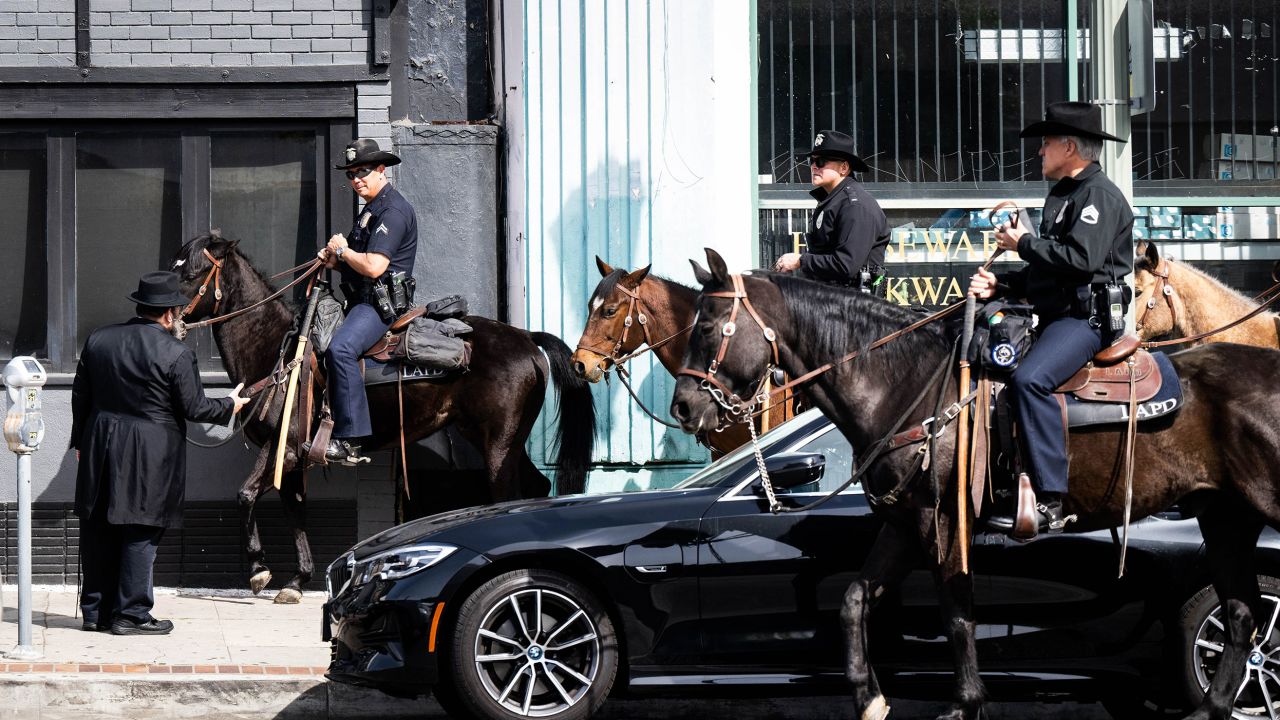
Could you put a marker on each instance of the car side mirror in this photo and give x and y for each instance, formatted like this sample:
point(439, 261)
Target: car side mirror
point(791, 470)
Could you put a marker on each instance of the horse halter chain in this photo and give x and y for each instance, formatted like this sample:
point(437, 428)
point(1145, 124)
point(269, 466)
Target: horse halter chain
point(1160, 288)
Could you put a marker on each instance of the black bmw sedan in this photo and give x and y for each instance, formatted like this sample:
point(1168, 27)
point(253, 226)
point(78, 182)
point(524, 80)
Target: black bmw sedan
point(543, 608)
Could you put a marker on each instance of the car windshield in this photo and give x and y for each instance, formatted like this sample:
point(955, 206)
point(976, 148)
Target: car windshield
point(716, 472)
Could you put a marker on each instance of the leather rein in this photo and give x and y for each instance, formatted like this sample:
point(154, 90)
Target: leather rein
point(214, 276)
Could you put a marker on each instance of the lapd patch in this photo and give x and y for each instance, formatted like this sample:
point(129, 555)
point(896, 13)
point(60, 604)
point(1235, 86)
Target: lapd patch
point(1089, 215)
point(1004, 355)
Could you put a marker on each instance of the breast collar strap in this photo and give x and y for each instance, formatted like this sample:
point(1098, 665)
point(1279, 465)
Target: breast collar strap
point(215, 275)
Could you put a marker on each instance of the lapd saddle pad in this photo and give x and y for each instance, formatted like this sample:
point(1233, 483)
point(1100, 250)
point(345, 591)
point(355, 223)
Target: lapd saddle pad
point(381, 373)
point(1166, 400)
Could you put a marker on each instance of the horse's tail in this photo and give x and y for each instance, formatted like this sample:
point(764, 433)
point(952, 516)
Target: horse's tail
point(576, 430)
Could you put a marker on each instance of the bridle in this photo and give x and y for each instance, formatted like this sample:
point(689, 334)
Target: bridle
point(636, 315)
point(737, 408)
point(215, 276)
point(1160, 288)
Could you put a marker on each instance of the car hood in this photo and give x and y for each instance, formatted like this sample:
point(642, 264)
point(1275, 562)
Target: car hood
point(575, 506)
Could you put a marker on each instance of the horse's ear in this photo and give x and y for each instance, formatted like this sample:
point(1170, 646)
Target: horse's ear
point(1148, 254)
point(603, 267)
point(701, 274)
point(719, 270)
point(634, 278)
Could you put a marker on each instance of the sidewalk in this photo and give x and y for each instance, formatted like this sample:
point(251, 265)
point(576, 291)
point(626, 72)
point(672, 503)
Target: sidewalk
point(228, 656)
point(240, 657)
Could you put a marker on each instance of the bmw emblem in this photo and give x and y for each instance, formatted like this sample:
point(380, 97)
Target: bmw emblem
point(534, 652)
point(1256, 658)
point(1004, 355)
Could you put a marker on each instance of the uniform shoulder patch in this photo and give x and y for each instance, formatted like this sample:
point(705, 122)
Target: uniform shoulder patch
point(1089, 214)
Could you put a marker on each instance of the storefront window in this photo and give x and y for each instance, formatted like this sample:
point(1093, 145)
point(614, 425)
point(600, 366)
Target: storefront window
point(128, 220)
point(263, 193)
point(24, 278)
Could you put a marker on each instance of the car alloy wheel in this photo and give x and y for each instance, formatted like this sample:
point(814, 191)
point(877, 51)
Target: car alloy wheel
point(533, 644)
point(1259, 689)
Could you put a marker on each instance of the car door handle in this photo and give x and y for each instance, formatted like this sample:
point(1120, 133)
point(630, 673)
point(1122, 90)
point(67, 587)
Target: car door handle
point(651, 569)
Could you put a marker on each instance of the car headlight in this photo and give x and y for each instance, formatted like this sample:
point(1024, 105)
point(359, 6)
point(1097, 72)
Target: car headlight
point(401, 562)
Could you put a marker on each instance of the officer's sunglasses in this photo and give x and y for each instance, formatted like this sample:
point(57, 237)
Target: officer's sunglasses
point(821, 162)
point(359, 172)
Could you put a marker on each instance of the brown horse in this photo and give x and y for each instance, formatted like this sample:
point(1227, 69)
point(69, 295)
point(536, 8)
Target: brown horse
point(1177, 299)
point(631, 309)
point(1216, 457)
point(494, 405)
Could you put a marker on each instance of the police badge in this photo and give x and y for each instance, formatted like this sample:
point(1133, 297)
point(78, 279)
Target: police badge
point(351, 155)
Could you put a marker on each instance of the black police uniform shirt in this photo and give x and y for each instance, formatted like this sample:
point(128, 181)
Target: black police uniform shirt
point(847, 231)
point(1085, 239)
point(387, 226)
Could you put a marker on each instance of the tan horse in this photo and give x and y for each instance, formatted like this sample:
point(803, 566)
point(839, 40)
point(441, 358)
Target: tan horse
point(1179, 300)
point(629, 310)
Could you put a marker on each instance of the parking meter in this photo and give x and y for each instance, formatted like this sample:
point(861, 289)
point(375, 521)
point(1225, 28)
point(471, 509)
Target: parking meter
point(23, 431)
point(23, 426)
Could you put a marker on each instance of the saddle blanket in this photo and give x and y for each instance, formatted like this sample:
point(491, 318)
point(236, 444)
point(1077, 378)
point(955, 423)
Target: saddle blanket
point(1166, 401)
point(377, 373)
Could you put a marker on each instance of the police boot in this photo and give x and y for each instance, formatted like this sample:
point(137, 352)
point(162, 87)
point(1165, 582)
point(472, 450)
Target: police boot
point(341, 451)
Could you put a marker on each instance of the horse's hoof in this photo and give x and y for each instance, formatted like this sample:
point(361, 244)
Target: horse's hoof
point(878, 709)
point(259, 581)
point(288, 596)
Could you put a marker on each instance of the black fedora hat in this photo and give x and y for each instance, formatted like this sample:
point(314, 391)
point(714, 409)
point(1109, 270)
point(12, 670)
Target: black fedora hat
point(159, 289)
point(363, 151)
point(1079, 119)
point(833, 143)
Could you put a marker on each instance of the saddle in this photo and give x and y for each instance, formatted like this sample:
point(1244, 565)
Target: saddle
point(1107, 378)
point(392, 347)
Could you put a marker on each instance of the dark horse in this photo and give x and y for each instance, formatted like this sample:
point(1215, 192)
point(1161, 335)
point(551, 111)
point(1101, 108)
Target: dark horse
point(1216, 457)
point(494, 405)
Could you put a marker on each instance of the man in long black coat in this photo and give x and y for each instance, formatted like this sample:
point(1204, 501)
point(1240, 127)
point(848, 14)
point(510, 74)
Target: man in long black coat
point(135, 389)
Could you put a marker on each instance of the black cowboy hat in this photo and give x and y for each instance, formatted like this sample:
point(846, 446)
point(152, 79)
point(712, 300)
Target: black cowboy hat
point(363, 151)
point(833, 143)
point(1079, 119)
point(159, 289)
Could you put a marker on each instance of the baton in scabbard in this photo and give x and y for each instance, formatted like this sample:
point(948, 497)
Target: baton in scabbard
point(313, 296)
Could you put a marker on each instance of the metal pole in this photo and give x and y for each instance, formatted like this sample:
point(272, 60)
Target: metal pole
point(24, 650)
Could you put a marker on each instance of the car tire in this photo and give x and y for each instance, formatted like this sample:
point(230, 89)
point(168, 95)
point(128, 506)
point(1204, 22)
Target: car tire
point(1200, 628)
point(529, 643)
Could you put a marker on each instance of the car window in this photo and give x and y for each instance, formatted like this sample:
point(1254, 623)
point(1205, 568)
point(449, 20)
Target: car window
point(717, 471)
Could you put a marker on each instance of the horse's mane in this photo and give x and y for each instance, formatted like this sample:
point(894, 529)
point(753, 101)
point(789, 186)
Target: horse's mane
point(1218, 285)
point(833, 321)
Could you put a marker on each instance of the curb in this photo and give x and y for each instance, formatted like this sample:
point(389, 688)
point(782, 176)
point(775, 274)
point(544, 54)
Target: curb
point(68, 696)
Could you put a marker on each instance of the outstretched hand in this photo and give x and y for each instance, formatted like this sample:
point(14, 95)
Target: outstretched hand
point(239, 400)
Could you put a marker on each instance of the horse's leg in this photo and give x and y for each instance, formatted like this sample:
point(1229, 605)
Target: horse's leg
point(293, 496)
point(891, 558)
point(533, 484)
point(1231, 530)
point(955, 591)
point(254, 487)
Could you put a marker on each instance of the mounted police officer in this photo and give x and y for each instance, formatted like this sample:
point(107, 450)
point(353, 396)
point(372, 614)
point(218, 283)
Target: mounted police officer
point(136, 386)
point(848, 232)
point(378, 255)
point(1075, 265)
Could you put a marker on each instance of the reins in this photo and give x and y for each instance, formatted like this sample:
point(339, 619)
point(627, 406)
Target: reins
point(215, 274)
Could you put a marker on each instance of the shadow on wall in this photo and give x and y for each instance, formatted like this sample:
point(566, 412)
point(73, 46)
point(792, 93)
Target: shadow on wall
point(609, 215)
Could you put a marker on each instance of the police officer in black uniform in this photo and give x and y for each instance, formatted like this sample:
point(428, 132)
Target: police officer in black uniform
point(848, 232)
point(383, 242)
point(1074, 272)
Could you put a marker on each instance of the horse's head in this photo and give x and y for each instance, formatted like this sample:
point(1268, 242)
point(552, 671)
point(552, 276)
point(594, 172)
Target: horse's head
point(1155, 305)
point(616, 321)
point(199, 265)
point(731, 348)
